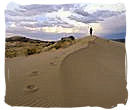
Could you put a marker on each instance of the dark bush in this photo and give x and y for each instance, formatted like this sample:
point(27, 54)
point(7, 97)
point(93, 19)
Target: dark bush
point(31, 51)
point(72, 37)
point(67, 38)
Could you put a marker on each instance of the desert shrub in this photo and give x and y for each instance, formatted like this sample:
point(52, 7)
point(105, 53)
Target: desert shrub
point(58, 45)
point(31, 51)
point(10, 53)
point(62, 44)
point(70, 38)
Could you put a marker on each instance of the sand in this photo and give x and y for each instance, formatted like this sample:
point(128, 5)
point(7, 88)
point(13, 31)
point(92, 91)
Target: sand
point(89, 73)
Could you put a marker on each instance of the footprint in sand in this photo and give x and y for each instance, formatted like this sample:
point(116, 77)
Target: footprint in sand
point(31, 88)
point(34, 73)
point(52, 63)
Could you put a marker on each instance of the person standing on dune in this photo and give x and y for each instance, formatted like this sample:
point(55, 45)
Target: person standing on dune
point(91, 31)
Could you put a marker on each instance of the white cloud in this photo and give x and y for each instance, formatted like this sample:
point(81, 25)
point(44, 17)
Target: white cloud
point(114, 24)
point(100, 6)
point(66, 18)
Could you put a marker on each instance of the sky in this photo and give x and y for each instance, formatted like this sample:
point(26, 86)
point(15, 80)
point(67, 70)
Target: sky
point(54, 21)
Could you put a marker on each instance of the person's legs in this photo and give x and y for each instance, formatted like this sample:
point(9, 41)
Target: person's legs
point(90, 33)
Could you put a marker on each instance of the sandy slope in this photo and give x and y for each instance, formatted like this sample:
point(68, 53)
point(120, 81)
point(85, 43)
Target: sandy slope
point(88, 73)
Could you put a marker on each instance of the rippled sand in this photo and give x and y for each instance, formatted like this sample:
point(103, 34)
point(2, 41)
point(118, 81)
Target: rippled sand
point(88, 73)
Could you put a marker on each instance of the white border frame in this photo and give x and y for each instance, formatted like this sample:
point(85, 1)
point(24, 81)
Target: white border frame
point(3, 105)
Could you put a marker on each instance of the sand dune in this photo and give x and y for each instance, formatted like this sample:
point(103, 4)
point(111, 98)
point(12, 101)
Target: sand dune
point(91, 72)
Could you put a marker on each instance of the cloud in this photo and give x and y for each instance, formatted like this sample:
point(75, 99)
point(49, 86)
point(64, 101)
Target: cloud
point(95, 17)
point(115, 24)
point(39, 34)
point(106, 13)
point(85, 19)
point(41, 15)
point(61, 19)
point(36, 9)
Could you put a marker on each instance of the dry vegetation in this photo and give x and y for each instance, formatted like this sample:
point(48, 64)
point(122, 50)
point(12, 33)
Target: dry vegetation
point(21, 46)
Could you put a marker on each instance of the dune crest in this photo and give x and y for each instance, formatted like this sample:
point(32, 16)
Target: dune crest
point(95, 76)
point(91, 72)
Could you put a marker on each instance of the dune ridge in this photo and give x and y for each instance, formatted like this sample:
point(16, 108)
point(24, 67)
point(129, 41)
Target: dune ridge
point(91, 72)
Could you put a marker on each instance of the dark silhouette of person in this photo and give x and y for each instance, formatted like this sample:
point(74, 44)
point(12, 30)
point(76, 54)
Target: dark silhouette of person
point(91, 31)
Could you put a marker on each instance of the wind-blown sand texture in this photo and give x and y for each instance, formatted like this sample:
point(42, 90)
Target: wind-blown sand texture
point(90, 72)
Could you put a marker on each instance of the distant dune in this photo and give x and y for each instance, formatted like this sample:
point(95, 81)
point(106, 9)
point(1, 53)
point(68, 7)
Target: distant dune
point(84, 72)
point(119, 40)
